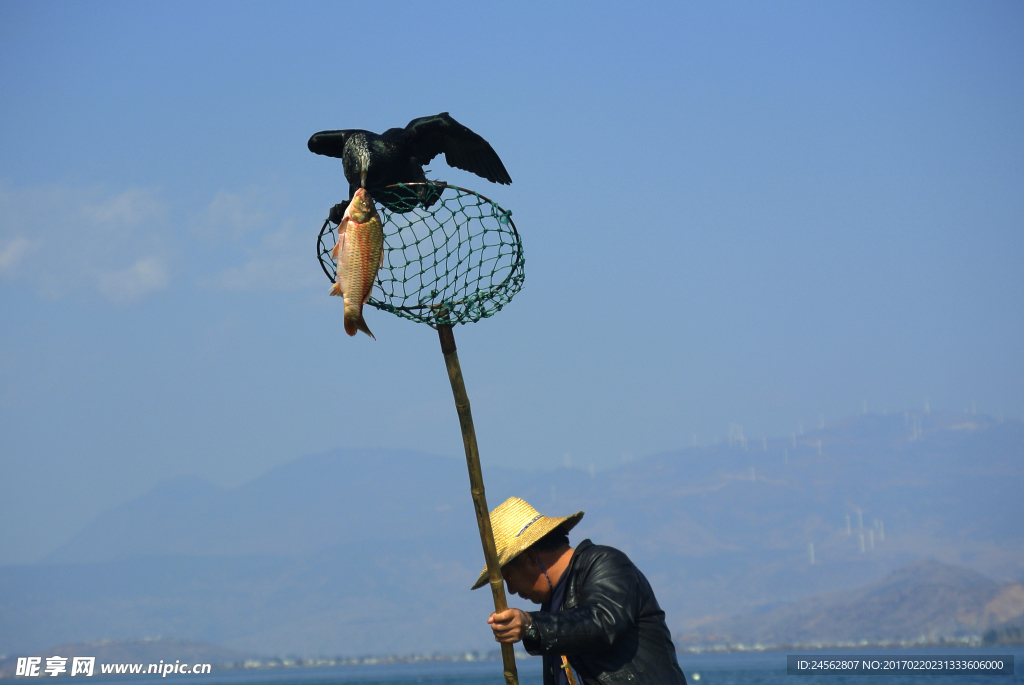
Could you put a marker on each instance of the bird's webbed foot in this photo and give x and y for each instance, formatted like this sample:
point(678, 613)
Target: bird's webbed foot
point(338, 211)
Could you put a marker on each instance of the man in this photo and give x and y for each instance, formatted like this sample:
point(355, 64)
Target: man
point(598, 612)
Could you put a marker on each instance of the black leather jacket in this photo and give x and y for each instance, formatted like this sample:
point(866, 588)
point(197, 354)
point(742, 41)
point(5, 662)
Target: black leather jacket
point(610, 625)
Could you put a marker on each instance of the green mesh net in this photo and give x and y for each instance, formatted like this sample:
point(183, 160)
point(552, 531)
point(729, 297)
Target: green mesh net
point(457, 261)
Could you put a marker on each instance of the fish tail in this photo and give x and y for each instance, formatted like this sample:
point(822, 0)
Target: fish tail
point(354, 322)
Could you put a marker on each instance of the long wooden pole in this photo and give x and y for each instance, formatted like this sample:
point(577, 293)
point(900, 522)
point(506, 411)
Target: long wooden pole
point(476, 486)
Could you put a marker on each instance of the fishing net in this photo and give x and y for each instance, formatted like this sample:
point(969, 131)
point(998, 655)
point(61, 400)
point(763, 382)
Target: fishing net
point(455, 261)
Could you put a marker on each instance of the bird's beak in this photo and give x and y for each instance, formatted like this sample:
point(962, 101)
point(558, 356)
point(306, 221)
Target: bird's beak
point(362, 177)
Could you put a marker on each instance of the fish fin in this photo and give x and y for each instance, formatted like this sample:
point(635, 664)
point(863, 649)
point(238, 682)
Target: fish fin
point(338, 246)
point(335, 289)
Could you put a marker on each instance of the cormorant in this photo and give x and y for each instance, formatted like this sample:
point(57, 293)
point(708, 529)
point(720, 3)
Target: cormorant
point(373, 161)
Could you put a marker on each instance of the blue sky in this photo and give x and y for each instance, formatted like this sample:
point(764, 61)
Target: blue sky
point(767, 214)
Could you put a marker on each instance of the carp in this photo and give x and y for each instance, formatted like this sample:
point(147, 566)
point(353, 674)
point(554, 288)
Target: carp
point(359, 254)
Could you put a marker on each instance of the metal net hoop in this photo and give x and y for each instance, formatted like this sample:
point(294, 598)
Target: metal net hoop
point(457, 261)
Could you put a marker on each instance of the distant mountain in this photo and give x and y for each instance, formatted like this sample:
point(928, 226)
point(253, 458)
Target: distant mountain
point(361, 551)
point(308, 505)
point(926, 599)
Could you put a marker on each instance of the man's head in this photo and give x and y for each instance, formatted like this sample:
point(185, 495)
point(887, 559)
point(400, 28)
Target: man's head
point(518, 527)
point(528, 574)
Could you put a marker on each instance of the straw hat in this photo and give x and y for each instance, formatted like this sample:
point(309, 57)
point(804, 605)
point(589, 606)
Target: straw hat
point(516, 526)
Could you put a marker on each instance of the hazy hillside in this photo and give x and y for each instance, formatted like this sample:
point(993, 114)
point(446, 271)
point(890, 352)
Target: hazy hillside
point(360, 551)
point(924, 599)
point(308, 505)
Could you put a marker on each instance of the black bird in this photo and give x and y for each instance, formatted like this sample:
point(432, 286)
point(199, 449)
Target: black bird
point(373, 161)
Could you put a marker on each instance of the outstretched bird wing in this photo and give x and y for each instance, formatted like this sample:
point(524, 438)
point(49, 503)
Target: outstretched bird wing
point(331, 143)
point(428, 137)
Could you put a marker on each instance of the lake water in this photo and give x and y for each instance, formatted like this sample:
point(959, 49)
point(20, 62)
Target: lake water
point(757, 668)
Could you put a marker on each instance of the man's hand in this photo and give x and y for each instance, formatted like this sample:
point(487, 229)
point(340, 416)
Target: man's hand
point(509, 625)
